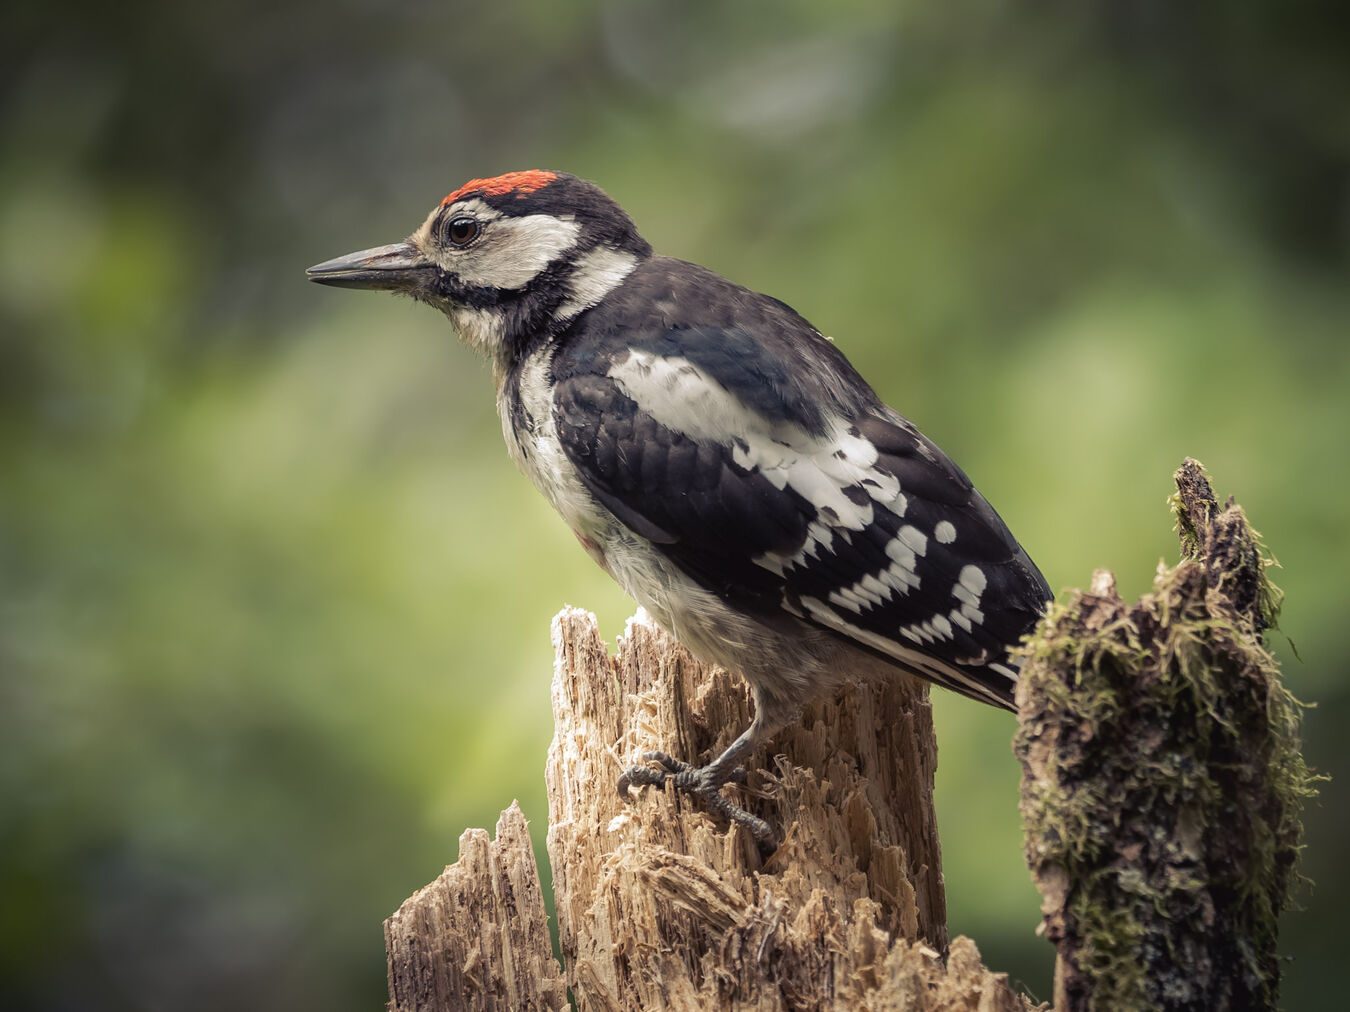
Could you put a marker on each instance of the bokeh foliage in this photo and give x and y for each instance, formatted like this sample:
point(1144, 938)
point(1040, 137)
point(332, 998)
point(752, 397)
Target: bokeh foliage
point(273, 603)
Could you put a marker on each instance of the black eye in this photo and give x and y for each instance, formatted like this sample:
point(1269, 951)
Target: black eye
point(462, 231)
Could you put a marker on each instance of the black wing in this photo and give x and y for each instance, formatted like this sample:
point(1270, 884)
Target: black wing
point(766, 469)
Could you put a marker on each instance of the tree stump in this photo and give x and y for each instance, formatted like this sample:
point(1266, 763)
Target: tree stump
point(1163, 781)
point(662, 908)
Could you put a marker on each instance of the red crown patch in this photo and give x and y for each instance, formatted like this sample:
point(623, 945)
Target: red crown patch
point(519, 183)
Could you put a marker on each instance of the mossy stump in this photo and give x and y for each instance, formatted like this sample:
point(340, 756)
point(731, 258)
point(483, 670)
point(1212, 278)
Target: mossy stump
point(1162, 778)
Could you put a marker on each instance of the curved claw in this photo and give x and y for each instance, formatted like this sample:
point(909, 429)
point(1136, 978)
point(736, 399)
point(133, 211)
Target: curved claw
point(694, 780)
point(639, 776)
point(645, 776)
point(667, 760)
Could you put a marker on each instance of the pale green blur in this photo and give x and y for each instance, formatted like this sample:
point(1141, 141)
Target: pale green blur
point(274, 605)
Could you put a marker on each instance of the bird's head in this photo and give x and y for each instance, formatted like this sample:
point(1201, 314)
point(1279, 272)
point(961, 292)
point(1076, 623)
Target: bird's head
point(511, 259)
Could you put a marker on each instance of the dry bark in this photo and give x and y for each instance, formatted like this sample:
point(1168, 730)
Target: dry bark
point(662, 908)
point(477, 937)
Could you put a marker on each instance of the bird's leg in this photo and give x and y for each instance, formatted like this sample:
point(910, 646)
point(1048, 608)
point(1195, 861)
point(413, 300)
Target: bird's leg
point(705, 782)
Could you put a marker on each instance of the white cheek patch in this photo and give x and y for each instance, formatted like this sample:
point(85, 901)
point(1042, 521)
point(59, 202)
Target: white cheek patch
point(512, 251)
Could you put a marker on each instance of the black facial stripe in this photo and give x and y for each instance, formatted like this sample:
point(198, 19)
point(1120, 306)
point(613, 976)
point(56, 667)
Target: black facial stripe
point(451, 288)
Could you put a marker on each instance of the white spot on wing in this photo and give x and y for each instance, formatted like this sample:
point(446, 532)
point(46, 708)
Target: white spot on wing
point(679, 396)
point(682, 397)
point(903, 580)
point(913, 538)
point(879, 591)
point(846, 598)
point(963, 593)
point(973, 579)
point(966, 615)
point(926, 665)
point(1002, 669)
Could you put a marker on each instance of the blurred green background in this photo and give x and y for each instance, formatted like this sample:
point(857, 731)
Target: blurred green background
point(274, 605)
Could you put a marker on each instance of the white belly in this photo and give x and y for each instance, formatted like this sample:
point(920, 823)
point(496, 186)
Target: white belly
point(701, 621)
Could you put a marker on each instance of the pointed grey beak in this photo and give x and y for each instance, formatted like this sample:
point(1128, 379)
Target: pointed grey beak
point(398, 267)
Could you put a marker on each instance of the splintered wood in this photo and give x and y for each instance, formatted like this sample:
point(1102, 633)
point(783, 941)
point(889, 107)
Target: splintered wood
point(477, 937)
point(660, 907)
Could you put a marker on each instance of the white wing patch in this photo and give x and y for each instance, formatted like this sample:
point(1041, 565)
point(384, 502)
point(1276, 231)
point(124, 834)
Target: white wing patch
point(680, 396)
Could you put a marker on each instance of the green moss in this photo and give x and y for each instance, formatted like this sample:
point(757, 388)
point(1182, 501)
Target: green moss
point(1164, 781)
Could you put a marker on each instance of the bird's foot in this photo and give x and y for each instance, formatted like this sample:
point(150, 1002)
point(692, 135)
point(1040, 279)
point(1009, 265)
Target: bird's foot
point(704, 783)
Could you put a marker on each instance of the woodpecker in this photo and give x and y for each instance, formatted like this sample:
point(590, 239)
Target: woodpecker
point(718, 457)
